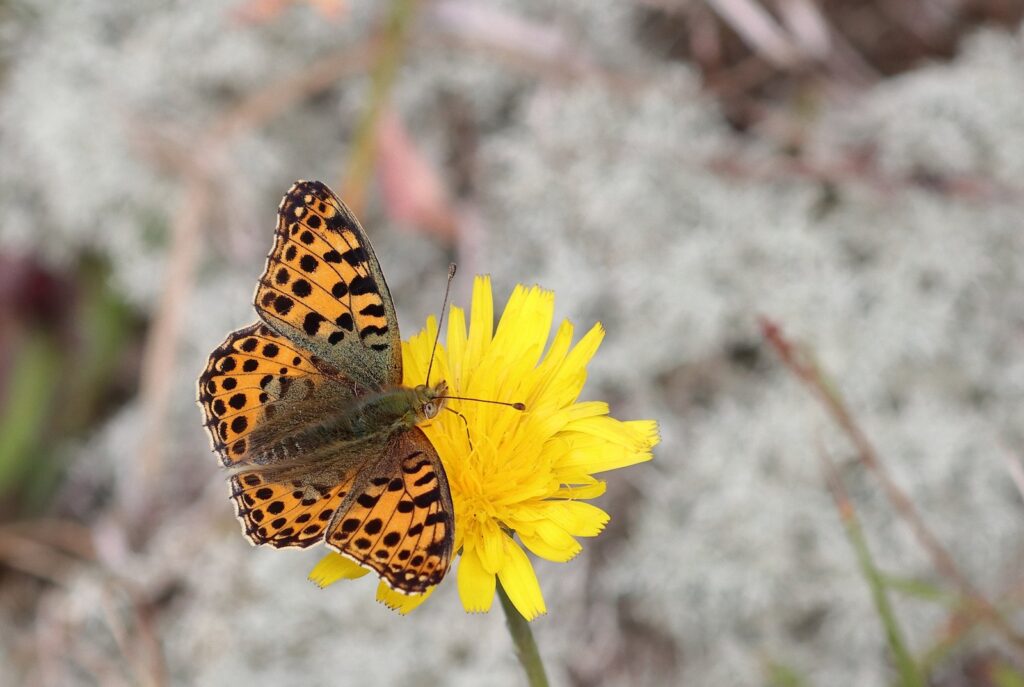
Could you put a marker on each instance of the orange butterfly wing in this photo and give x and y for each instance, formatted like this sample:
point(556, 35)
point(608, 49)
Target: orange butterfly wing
point(284, 514)
point(323, 288)
point(247, 377)
point(399, 519)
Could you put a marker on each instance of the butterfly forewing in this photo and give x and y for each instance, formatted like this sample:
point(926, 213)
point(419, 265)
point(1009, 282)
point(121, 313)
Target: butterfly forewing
point(253, 369)
point(398, 519)
point(323, 288)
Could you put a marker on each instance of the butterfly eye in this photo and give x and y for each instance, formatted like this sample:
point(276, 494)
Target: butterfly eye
point(429, 409)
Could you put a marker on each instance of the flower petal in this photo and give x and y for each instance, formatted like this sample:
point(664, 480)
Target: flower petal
point(455, 343)
point(520, 582)
point(569, 381)
point(604, 443)
point(575, 517)
point(522, 332)
point(481, 322)
point(476, 585)
point(403, 603)
point(416, 354)
point(334, 567)
point(490, 548)
point(549, 541)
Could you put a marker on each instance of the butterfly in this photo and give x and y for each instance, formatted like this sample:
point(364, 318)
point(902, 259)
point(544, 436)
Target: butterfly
point(307, 410)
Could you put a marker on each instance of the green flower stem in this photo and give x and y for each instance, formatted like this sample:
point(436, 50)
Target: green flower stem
point(522, 637)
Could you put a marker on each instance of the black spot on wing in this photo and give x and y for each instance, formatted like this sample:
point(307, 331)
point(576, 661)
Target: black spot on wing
point(362, 285)
point(311, 324)
point(371, 330)
point(354, 256)
point(427, 498)
point(301, 288)
point(283, 305)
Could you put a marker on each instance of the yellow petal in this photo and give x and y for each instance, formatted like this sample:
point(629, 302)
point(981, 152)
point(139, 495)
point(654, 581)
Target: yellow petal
point(573, 374)
point(645, 431)
point(520, 582)
point(549, 541)
point(524, 328)
point(575, 517)
point(476, 585)
point(334, 567)
point(490, 548)
point(397, 601)
point(456, 347)
point(604, 443)
point(481, 322)
point(416, 354)
point(539, 380)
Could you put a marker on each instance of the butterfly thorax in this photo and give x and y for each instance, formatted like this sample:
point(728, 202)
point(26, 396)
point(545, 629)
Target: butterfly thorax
point(385, 412)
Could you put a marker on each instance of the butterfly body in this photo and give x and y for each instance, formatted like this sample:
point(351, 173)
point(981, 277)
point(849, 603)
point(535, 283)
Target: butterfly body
point(337, 431)
point(392, 410)
point(308, 411)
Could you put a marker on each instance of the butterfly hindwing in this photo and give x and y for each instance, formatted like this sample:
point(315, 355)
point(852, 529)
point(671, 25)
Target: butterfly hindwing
point(285, 514)
point(398, 519)
point(323, 288)
point(253, 369)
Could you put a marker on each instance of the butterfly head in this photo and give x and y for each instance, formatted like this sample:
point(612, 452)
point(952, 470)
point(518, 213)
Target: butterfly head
point(428, 401)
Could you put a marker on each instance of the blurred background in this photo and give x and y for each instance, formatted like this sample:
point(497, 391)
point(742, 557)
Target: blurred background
point(800, 222)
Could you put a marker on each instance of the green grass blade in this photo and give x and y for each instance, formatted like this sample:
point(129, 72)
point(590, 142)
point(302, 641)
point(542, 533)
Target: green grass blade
point(26, 408)
point(909, 671)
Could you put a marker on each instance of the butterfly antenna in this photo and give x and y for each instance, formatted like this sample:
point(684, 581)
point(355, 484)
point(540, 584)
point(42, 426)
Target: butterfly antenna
point(517, 406)
point(444, 307)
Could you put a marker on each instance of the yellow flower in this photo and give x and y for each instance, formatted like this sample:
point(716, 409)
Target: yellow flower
point(514, 474)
